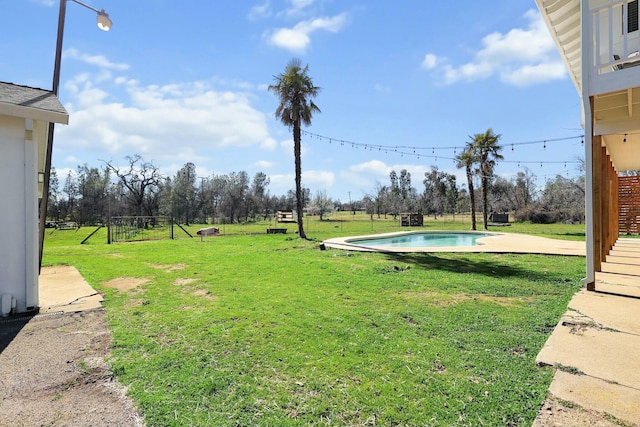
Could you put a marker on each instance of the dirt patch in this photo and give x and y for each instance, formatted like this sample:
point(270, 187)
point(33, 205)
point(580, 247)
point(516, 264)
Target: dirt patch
point(182, 282)
point(204, 294)
point(115, 255)
point(125, 284)
point(446, 299)
point(135, 302)
point(169, 268)
point(53, 373)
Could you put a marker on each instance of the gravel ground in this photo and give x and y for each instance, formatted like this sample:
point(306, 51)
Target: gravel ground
point(53, 373)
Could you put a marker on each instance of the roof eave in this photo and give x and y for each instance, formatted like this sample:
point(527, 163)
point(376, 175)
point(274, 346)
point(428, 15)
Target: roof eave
point(13, 110)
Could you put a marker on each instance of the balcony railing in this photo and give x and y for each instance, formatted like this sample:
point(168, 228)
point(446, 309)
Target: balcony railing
point(615, 35)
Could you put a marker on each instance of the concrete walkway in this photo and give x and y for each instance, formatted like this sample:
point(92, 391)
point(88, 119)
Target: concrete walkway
point(63, 289)
point(596, 345)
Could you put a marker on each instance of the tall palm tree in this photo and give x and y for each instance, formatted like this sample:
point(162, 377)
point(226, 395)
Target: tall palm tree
point(295, 89)
point(487, 150)
point(466, 159)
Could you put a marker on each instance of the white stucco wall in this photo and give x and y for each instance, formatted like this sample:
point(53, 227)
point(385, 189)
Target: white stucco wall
point(19, 211)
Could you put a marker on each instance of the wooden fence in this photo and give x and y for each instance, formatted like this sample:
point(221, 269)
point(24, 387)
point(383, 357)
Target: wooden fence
point(629, 204)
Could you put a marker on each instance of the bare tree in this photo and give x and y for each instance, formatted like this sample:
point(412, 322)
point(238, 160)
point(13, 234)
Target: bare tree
point(141, 180)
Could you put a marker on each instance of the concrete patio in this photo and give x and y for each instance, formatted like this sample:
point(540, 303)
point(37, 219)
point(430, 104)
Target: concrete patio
point(596, 345)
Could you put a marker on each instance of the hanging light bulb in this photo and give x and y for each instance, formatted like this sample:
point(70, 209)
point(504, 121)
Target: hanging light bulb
point(625, 139)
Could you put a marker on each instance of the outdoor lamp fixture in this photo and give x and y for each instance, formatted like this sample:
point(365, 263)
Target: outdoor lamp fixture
point(104, 23)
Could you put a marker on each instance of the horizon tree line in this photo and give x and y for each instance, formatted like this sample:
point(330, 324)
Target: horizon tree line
point(92, 195)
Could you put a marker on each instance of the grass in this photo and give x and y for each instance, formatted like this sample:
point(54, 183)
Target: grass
point(269, 330)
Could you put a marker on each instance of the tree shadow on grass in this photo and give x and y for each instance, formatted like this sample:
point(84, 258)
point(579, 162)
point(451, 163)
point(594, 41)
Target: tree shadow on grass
point(491, 267)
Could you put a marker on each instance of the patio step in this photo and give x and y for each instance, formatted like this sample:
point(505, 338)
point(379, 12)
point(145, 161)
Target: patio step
point(595, 349)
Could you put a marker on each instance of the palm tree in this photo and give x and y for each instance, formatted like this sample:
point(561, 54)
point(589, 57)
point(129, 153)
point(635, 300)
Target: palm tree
point(466, 159)
point(487, 151)
point(295, 89)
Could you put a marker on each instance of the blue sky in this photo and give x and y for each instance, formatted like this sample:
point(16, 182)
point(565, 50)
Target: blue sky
point(186, 81)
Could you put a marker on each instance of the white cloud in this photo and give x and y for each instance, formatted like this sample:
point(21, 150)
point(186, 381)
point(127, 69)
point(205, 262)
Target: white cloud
point(430, 61)
point(260, 11)
point(297, 39)
point(97, 60)
point(45, 2)
point(316, 179)
point(532, 74)
point(520, 57)
point(313, 179)
point(363, 176)
point(263, 164)
point(373, 166)
point(298, 6)
point(173, 123)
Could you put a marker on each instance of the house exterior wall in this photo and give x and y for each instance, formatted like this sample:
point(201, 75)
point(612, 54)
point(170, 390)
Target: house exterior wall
point(19, 215)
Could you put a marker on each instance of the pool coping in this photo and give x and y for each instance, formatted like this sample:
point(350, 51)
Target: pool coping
point(498, 242)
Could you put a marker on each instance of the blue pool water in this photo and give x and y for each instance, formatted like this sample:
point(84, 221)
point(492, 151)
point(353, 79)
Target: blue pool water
point(423, 240)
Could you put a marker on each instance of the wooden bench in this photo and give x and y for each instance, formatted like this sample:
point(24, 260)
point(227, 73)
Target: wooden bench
point(276, 231)
point(500, 218)
point(69, 225)
point(411, 220)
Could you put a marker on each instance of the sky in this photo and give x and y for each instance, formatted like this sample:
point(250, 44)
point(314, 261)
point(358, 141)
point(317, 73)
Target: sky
point(404, 85)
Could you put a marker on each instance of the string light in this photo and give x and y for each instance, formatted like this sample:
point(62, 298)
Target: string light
point(418, 152)
point(455, 148)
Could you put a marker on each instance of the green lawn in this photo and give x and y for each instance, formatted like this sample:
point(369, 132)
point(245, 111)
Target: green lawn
point(256, 329)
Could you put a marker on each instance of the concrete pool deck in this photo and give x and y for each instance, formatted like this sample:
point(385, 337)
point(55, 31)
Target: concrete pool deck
point(496, 243)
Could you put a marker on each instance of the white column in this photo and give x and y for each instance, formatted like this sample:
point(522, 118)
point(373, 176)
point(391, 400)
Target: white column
point(31, 212)
point(587, 67)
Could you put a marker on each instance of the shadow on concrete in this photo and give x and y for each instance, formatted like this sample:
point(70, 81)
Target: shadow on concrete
point(11, 326)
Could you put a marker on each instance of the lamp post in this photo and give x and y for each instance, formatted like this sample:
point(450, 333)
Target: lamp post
point(104, 23)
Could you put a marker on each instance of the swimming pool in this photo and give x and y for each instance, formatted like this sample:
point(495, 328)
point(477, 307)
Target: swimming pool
point(469, 241)
point(431, 239)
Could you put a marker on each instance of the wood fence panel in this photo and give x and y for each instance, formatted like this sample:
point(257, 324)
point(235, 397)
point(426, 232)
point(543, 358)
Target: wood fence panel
point(629, 204)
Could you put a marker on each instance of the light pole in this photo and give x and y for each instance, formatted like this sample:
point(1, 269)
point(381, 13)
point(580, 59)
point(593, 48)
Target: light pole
point(104, 23)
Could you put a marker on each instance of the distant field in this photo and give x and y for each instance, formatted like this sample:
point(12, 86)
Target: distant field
point(256, 329)
point(341, 224)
